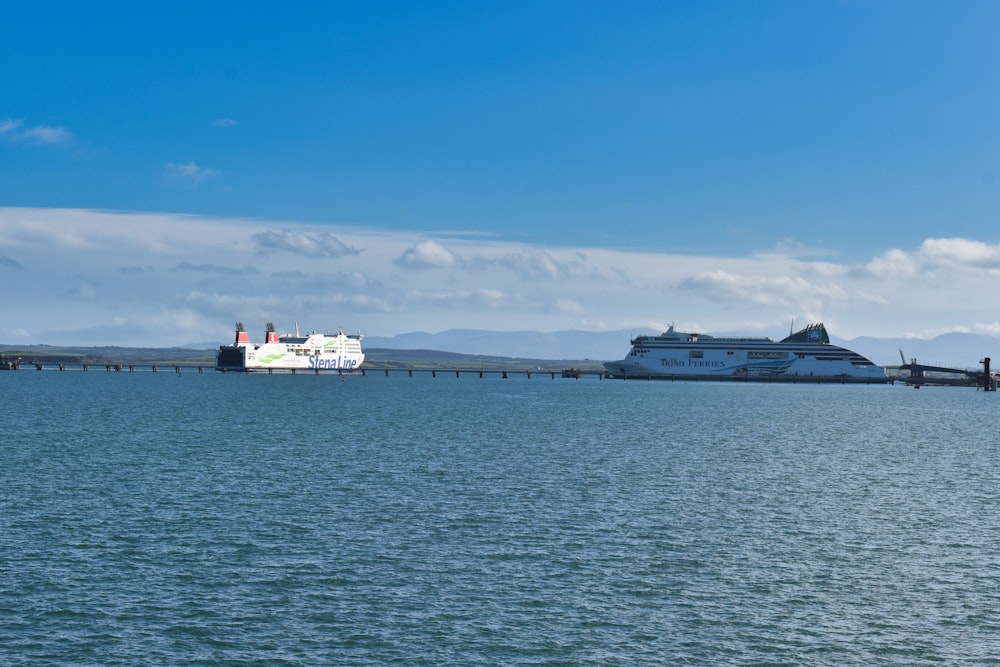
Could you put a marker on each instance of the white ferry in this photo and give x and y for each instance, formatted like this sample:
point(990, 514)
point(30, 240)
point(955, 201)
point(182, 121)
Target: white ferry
point(312, 352)
point(806, 355)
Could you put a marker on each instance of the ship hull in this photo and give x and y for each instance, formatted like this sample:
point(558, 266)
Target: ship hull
point(803, 357)
point(615, 371)
point(314, 352)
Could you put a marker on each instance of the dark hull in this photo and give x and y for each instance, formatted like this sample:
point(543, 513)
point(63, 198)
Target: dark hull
point(230, 359)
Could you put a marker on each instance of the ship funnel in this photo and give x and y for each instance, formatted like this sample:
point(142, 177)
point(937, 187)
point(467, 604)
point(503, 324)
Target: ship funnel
point(270, 335)
point(241, 335)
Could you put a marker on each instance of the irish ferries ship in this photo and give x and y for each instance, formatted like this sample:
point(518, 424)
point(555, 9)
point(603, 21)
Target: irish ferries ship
point(806, 355)
point(312, 352)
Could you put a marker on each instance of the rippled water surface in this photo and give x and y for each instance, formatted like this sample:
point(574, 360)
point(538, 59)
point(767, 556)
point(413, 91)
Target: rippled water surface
point(226, 519)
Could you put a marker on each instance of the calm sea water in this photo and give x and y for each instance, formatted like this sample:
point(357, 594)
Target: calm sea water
point(299, 520)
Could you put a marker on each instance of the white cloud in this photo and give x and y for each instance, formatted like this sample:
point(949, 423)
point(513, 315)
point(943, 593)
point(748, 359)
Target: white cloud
point(987, 328)
point(213, 269)
point(726, 287)
point(963, 252)
point(427, 254)
point(225, 122)
point(188, 174)
point(538, 264)
point(300, 243)
point(40, 135)
point(484, 297)
point(893, 263)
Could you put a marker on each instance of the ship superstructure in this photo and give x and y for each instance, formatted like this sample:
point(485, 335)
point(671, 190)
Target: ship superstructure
point(806, 355)
point(291, 352)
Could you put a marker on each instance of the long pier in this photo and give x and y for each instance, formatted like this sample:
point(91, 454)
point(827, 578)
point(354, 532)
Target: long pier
point(198, 368)
point(109, 368)
point(917, 378)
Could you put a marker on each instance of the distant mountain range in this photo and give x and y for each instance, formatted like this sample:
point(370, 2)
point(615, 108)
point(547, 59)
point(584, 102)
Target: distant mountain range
point(571, 345)
point(955, 350)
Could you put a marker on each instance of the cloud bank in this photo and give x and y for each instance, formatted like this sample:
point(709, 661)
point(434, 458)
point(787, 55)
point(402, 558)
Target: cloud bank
point(108, 278)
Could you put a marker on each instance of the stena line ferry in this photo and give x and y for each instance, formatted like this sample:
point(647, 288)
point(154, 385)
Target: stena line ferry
point(806, 355)
point(290, 353)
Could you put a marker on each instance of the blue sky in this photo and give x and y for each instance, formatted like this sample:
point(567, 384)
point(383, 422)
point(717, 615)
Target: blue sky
point(396, 167)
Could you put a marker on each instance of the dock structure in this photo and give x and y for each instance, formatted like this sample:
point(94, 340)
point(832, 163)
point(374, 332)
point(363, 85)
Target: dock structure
point(919, 375)
point(483, 372)
point(120, 367)
point(922, 375)
point(111, 368)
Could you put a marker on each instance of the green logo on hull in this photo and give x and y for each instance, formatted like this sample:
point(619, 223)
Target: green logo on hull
point(271, 357)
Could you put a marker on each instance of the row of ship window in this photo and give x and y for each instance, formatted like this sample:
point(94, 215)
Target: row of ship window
point(700, 354)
